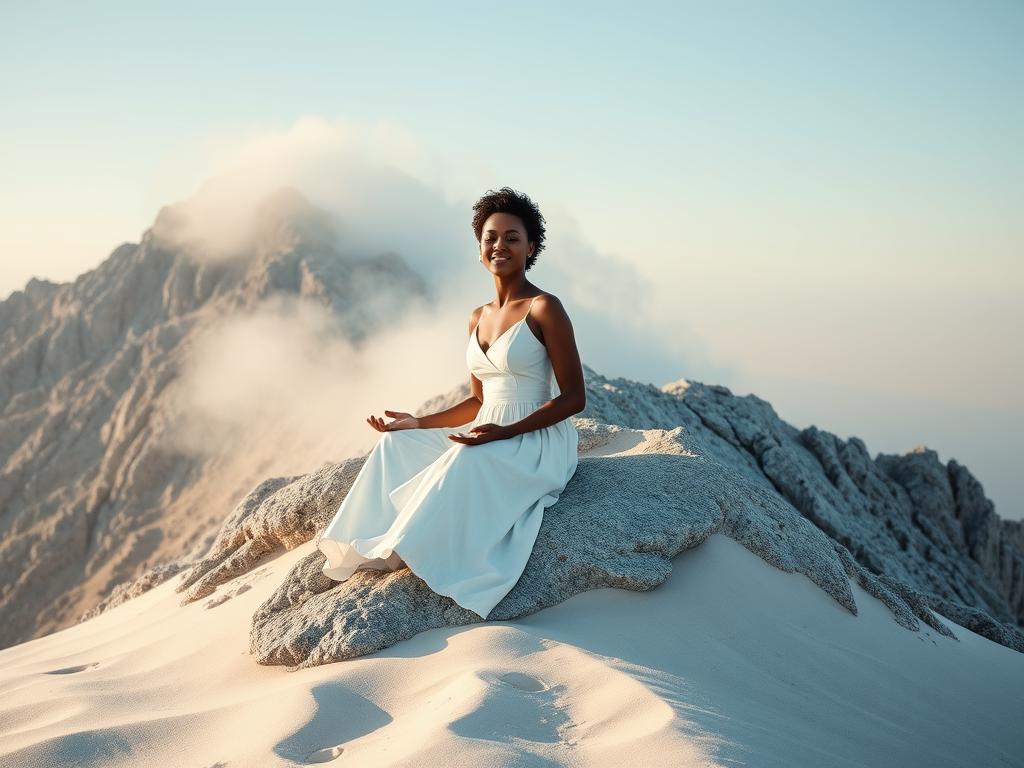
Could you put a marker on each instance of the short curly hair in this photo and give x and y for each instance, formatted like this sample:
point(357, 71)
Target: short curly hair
point(507, 200)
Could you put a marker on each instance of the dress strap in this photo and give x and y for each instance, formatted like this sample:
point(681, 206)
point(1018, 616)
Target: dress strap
point(530, 307)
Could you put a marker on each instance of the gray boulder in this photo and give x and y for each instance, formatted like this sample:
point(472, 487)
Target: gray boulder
point(619, 523)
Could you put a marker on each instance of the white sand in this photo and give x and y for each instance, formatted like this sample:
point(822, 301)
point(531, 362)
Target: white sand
point(731, 662)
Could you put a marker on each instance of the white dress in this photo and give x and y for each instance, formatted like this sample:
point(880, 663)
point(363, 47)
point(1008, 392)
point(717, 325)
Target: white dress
point(464, 518)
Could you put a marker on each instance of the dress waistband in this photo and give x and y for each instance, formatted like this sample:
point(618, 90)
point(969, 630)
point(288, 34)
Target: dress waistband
point(507, 389)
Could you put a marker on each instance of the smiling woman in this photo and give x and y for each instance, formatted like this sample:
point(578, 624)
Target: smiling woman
point(463, 510)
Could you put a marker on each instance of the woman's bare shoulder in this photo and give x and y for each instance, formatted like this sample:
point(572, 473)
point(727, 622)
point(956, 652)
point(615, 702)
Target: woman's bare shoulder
point(548, 303)
point(474, 316)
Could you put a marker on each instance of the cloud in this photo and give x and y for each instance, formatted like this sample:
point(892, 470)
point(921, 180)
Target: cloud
point(373, 180)
point(284, 384)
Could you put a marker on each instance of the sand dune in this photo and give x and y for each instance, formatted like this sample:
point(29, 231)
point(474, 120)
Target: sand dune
point(729, 662)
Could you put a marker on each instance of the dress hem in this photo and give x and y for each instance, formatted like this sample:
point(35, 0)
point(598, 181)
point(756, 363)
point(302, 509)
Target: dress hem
point(393, 548)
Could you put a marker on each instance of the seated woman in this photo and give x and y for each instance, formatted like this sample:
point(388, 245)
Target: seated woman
point(463, 509)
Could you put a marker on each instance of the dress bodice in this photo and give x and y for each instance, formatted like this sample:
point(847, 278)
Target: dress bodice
point(516, 367)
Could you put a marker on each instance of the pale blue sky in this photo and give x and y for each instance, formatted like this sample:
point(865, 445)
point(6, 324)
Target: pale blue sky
point(829, 196)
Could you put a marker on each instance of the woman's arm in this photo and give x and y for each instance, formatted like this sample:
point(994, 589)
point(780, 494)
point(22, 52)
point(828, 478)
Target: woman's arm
point(565, 361)
point(456, 416)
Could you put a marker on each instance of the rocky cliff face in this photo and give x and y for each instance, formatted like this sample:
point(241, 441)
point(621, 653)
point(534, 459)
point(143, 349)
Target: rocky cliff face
point(92, 490)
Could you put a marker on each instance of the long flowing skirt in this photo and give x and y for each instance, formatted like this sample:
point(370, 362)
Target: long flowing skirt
point(463, 518)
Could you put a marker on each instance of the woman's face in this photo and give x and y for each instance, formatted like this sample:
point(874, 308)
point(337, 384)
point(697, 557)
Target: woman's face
point(503, 244)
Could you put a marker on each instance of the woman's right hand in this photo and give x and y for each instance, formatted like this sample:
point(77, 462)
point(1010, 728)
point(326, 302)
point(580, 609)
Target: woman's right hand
point(402, 420)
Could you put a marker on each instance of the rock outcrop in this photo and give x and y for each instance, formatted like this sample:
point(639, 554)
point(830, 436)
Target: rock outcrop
point(641, 495)
point(618, 524)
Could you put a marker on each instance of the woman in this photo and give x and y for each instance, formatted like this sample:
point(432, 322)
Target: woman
point(463, 509)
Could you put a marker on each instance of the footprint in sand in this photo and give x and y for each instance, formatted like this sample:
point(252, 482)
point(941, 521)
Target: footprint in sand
point(213, 602)
point(517, 706)
point(522, 682)
point(72, 670)
point(325, 755)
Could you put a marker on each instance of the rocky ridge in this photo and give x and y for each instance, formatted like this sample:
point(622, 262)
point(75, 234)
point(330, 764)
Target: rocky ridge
point(661, 469)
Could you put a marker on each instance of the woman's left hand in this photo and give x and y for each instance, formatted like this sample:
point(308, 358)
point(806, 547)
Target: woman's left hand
point(482, 433)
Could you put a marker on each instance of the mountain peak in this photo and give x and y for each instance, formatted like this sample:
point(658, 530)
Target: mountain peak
point(218, 224)
point(285, 220)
